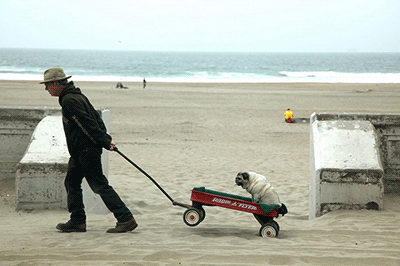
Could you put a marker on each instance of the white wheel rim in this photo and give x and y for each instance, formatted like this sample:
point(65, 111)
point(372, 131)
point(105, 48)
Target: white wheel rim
point(192, 217)
point(268, 231)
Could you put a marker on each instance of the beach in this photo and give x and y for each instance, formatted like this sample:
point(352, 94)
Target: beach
point(187, 135)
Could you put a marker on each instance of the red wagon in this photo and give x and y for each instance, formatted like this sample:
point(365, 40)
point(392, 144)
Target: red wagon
point(201, 196)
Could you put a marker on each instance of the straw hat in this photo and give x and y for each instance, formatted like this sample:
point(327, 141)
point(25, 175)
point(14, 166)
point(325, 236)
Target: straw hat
point(54, 74)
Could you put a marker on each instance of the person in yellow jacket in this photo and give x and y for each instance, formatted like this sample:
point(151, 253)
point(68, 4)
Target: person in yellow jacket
point(288, 116)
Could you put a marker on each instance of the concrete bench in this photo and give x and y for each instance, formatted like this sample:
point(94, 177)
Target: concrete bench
point(41, 172)
point(345, 166)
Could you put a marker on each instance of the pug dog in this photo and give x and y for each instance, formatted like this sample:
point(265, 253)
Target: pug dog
point(259, 187)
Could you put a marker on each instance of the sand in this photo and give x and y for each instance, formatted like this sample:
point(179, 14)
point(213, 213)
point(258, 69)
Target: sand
point(187, 135)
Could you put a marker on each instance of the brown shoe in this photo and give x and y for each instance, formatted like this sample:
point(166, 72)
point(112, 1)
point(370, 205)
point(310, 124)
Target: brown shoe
point(123, 227)
point(70, 226)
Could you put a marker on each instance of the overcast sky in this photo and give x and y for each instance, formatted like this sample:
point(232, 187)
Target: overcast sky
point(203, 25)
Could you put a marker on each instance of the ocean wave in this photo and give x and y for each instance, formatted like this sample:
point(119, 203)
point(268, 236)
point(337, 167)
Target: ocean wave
point(229, 77)
point(23, 64)
point(19, 70)
point(338, 77)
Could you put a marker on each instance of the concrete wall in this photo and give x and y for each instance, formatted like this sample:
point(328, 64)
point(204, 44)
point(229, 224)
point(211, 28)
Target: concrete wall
point(39, 162)
point(387, 128)
point(41, 171)
point(353, 160)
point(16, 127)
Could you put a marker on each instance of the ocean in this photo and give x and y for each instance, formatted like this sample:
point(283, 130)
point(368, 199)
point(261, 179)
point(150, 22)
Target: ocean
point(87, 65)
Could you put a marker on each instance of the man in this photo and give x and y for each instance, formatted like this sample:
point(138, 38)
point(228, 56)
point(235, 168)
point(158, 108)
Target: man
point(288, 116)
point(86, 137)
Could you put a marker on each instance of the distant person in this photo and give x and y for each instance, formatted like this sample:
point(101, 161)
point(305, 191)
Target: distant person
point(86, 137)
point(119, 85)
point(288, 116)
point(144, 83)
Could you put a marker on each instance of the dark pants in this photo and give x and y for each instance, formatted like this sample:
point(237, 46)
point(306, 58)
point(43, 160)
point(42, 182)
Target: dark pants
point(88, 164)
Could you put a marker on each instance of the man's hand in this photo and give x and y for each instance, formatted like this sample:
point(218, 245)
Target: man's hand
point(113, 147)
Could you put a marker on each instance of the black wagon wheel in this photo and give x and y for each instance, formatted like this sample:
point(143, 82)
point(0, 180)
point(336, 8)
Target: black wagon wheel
point(192, 217)
point(276, 224)
point(202, 213)
point(269, 230)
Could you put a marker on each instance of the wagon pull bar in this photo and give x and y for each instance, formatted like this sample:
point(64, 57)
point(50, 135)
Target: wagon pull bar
point(146, 174)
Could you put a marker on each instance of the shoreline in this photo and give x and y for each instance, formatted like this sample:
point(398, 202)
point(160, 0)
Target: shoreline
point(206, 82)
point(139, 84)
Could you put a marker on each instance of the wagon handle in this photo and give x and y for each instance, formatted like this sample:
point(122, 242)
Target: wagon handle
point(143, 172)
point(175, 203)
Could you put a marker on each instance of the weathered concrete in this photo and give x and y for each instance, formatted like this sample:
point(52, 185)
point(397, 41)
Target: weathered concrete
point(16, 127)
point(39, 163)
point(388, 133)
point(345, 167)
point(41, 172)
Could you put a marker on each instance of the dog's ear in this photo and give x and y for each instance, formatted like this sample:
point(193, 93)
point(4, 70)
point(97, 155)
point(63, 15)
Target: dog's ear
point(245, 175)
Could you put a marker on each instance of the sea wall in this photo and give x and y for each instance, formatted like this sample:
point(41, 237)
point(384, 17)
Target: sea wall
point(16, 127)
point(353, 161)
point(34, 153)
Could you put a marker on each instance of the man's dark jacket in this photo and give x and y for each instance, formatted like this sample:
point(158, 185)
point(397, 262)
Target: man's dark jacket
point(83, 126)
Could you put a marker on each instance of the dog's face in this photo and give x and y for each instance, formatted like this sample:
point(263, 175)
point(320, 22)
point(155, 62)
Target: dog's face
point(242, 179)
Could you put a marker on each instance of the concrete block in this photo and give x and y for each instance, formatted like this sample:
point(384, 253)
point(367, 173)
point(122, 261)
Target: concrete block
point(336, 196)
point(41, 172)
point(387, 127)
point(14, 136)
point(16, 127)
point(345, 165)
point(40, 186)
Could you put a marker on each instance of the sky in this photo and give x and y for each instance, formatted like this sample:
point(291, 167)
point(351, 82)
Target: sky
point(202, 25)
